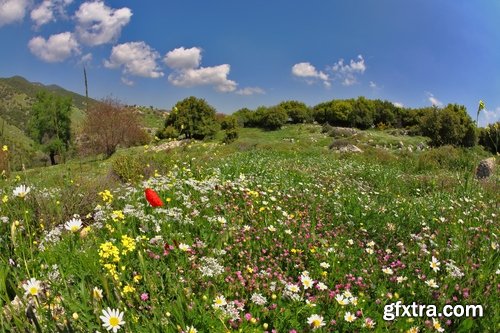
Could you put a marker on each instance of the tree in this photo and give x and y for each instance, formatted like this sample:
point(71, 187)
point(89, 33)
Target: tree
point(334, 112)
point(362, 114)
point(450, 125)
point(271, 118)
point(194, 118)
point(50, 123)
point(245, 117)
point(109, 124)
point(297, 111)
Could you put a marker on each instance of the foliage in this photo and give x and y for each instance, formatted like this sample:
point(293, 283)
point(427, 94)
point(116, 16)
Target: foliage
point(50, 123)
point(297, 112)
point(230, 136)
point(245, 117)
point(229, 123)
point(108, 125)
point(194, 118)
point(127, 168)
point(334, 112)
point(450, 125)
point(489, 137)
point(168, 132)
point(270, 118)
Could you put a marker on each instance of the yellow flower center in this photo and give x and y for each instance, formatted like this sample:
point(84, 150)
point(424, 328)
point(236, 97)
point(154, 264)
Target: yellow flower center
point(74, 228)
point(316, 323)
point(33, 291)
point(114, 321)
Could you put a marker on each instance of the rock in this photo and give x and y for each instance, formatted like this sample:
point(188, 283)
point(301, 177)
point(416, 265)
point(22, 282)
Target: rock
point(349, 149)
point(485, 168)
point(169, 145)
point(401, 145)
point(421, 146)
point(410, 149)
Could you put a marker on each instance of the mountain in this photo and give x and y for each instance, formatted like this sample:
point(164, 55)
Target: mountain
point(17, 96)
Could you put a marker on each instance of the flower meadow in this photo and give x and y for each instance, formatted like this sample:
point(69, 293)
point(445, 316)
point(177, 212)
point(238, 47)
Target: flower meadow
point(252, 241)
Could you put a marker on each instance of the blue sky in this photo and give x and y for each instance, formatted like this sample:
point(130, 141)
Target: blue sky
point(249, 53)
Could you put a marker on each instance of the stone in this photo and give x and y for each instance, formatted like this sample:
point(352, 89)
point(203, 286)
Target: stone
point(485, 168)
point(349, 149)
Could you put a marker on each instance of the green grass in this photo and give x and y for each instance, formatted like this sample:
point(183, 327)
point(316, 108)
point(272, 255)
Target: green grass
point(256, 214)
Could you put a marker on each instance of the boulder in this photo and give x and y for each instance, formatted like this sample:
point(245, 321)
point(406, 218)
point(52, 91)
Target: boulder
point(485, 168)
point(349, 149)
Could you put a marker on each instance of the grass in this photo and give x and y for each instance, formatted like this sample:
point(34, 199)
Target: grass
point(243, 230)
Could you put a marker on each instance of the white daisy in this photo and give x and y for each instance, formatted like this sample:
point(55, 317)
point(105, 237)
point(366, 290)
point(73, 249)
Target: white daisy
point(191, 329)
point(316, 321)
point(219, 301)
point(349, 317)
point(431, 283)
point(434, 263)
point(32, 287)
point(307, 282)
point(73, 225)
point(21, 191)
point(97, 293)
point(184, 247)
point(112, 319)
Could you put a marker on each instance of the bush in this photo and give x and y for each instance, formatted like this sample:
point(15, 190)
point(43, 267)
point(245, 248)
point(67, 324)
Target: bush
point(231, 136)
point(229, 123)
point(127, 168)
point(296, 111)
point(450, 158)
point(489, 137)
point(168, 132)
point(272, 118)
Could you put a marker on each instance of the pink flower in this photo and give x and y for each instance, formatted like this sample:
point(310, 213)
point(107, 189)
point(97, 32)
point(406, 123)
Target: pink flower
point(144, 297)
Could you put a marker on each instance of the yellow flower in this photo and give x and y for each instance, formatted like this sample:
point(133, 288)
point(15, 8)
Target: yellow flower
point(128, 244)
point(106, 196)
point(109, 251)
point(128, 289)
point(5, 199)
point(5, 148)
point(117, 215)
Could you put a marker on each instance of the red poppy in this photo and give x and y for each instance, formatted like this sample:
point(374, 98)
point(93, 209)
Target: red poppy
point(153, 198)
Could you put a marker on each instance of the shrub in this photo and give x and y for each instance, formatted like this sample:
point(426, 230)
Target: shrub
point(272, 118)
point(230, 136)
point(168, 132)
point(127, 168)
point(229, 123)
point(296, 111)
point(489, 137)
point(450, 158)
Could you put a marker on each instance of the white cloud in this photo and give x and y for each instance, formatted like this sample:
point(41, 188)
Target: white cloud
point(212, 76)
point(489, 117)
point(307, 71)
point(434, 101)
point(373, 85)
point(347, 72)
point(12, 11)
point(99, 24)
point(248, 91)
point(43, 13)
point(86, 58)
point(46, 11)
point(127, 82)
point(136, 58)
point(182, 58)
point(55, 49)
point(398, 105)
point(188, 73)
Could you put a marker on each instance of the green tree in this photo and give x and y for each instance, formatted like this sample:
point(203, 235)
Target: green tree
point(362, 115)
point(297, 112)
point(271, 118)
point(245, 117)
point(50, 123)
point(334, 112)
point(194, 118)
point(450, 125)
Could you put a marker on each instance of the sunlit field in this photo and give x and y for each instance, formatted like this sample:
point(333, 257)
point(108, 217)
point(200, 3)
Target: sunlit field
point(267, 234)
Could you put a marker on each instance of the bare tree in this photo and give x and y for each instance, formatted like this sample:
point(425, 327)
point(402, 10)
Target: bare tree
point(110, 124)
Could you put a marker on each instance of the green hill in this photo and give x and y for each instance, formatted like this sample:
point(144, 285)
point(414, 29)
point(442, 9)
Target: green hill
point(17, 95)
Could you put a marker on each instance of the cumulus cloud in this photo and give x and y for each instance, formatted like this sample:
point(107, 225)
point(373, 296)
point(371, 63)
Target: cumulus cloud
point(188, 73)
point(136, 58)
point(489, 117)
point(99, 24)
point(310, 73)
point(373, 85)
point(55, 49)
point(347, 73)
point(182, 58)
point(248, 91)
point(12, 11)
point(434, 101)
point(46, 11)
point(86, 59)
point(398, 105)
point(127, 82)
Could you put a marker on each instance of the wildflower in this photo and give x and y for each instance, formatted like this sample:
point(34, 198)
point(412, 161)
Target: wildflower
point(109, 251)
point(321, 286)
point(219, 301)
point(184, 247)
point(341, 299)
point(349, 317)
point(117, 215)
point(153, 198)
point(32, 287)
point(431, 283)
point(191, 329)
point(128, 289)
point(5, 199)
point(437, 325)
point(369, 323)
point(413, 329)
point(434, 263)
point(388, 271)
point(258, 299)
point(316, 321)
point(75, 316)
point(307, 282)
point(97, 293)
point(5, 148)
point(271, 228)
point(144, 297)
point(325, 265)
point(73, 225)
point(112, 319)
point(293, 288)
point(128, 244)
point(21, 191)
point(106, 196)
